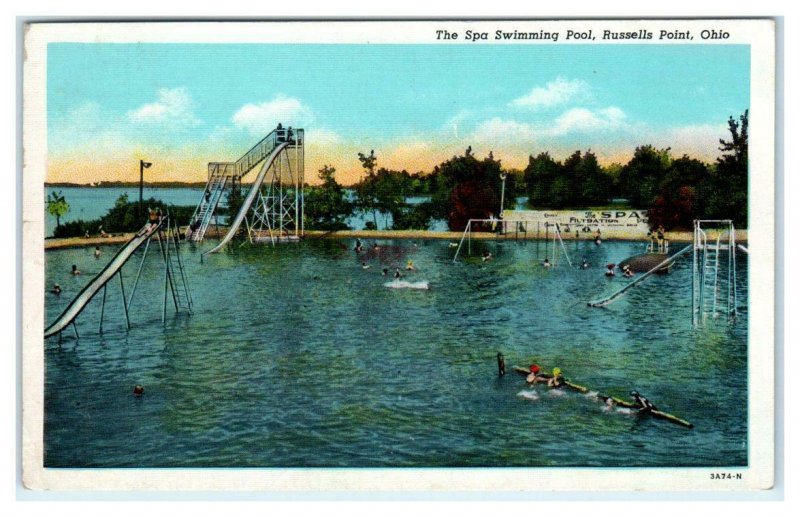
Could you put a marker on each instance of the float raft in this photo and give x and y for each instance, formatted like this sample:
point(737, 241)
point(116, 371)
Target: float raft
point(614, 400)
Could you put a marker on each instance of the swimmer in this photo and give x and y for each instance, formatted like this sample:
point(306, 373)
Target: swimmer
point(534, 376)
point(75, 270)
point(364, 265)
point(610, 270)
point(487, 255)
point(557, 379)
point(642, 403)
point(375, 247)
point(385, 271)
point(627, 272)
point(410, 265)
point(453, 245)
point(585, 265)
point(97, 252)
point(546, 263)
point(56, 289)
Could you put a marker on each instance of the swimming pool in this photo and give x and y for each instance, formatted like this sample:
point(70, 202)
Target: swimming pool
point(296, 356)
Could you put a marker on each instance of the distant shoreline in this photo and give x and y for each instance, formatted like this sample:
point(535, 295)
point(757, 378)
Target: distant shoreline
point(619, 235)
point(128, 184)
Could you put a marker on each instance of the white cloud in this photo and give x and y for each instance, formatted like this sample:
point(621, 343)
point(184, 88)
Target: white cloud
point(555, 93)
point(174, 107)
point(582, 120)
point(261, 118)
point(573, 121)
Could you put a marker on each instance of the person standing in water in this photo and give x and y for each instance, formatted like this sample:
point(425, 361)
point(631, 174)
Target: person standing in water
point(410, 265)
point(546, 263)
point(97, 252)
point(501, 364)
point(397, 275)
point(75, 270)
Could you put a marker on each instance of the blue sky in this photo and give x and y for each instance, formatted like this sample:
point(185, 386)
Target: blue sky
point(182, 105)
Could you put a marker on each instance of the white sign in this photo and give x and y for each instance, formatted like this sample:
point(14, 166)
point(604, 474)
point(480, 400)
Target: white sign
point(631, 222)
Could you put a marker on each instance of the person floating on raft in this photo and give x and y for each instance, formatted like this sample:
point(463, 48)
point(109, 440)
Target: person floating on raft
point(557, 380)
point(642, 402)
point(534, 376)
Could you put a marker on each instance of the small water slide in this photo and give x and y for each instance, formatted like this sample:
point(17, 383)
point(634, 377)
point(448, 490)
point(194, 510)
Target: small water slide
point(234, 227)
point(611, 298)
point(87, 293)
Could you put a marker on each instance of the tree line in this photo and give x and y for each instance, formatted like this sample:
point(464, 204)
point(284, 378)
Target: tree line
point(674, 190)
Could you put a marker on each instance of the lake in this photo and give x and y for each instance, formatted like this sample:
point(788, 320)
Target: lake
point(92, 203)
point(296, 356)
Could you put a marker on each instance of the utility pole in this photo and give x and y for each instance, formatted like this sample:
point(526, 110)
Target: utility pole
point(142, 166)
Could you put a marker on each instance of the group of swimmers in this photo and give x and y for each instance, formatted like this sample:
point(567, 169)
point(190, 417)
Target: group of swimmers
point(359, 247)
point(554, 381)
point(74, 271)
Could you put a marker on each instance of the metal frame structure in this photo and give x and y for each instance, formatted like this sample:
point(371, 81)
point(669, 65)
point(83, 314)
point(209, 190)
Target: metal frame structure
point(713, 292)
point(277, 212)
point(175, 278)
point(520, 225)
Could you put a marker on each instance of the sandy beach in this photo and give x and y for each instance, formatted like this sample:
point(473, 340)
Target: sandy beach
point(79, 242)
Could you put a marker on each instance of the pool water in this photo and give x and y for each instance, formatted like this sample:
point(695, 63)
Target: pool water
point(296, 356)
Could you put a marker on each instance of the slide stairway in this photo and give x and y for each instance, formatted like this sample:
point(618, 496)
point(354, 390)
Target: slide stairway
point(211, 197)
point(222, 174)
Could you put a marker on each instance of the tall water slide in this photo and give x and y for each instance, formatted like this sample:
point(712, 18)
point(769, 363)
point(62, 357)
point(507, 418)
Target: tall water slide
point(234, 226)
point(92, 288)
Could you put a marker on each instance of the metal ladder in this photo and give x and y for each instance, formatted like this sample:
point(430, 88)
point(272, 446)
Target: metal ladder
point(713, 291)
point(205, 210)
point(175, 281)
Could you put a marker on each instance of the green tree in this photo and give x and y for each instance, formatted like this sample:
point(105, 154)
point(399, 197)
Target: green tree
point(641, 177)
point(326, 205)
point(467, 188)
point(365, 190)
point(728, 185)
point(540, 174)
point(678, 202)
point(57, 206)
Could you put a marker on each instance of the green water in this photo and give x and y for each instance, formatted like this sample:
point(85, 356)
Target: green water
point(295, 356)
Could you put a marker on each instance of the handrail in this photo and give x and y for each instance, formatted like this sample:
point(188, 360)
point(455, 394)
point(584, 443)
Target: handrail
point(609, 299)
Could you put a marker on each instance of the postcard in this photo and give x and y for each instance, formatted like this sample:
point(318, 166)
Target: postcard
point(399, 256)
